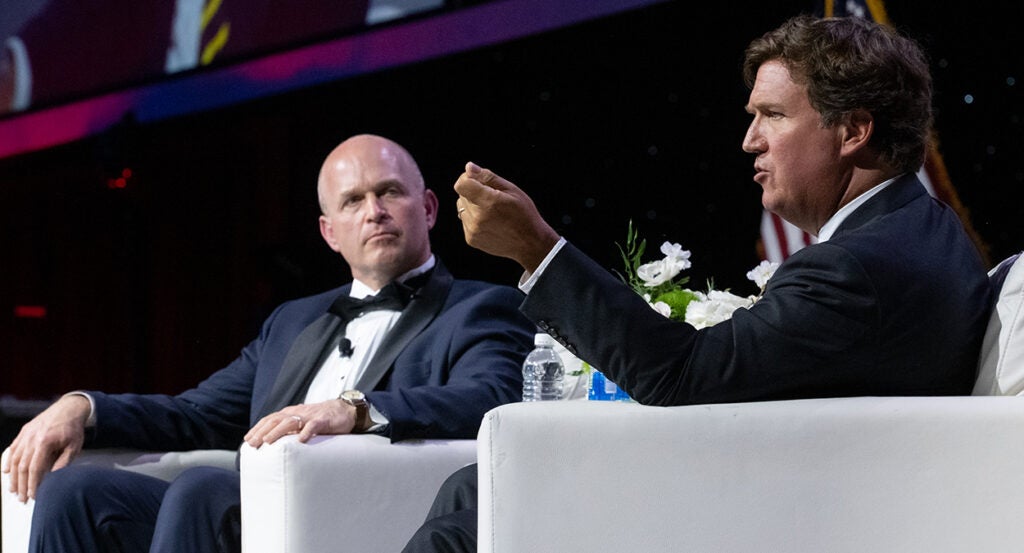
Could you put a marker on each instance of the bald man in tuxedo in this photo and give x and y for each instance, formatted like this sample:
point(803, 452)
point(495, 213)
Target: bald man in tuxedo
point(405, 350)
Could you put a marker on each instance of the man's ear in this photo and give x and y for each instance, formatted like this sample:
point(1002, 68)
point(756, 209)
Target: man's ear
point(430, 204)
point(328, 236)
point(856, 131)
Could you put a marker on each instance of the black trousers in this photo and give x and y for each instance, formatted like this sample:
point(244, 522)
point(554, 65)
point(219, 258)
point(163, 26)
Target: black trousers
point(451, 523)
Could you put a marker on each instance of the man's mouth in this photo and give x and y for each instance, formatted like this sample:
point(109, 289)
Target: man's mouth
point(378, 236)
point(760, 173)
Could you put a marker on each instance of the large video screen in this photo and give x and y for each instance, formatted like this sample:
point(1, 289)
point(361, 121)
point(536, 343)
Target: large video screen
point(70, 68)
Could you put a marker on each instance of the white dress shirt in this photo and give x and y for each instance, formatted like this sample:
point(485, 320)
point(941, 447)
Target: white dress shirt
point(365, 334)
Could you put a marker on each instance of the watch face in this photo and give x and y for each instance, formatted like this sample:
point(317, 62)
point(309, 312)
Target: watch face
point(353, 395)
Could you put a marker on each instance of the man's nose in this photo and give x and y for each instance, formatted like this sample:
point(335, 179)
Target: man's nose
point(753, 141)
point(375, 208)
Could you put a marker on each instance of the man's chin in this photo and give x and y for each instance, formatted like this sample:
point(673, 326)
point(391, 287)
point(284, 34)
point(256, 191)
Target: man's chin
point(392, 261)
point(772, 202)
point(775, 208)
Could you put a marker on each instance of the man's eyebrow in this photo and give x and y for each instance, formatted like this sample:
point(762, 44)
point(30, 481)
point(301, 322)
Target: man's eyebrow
point(751, 107)
point(392, 183)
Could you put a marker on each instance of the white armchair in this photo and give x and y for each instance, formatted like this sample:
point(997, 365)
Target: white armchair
point(335, 493)
point(936, 474)
point(342, 493)
point(907, 474)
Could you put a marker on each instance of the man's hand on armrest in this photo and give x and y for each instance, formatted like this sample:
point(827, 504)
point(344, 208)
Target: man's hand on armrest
point(46, 443)
point(307, 420)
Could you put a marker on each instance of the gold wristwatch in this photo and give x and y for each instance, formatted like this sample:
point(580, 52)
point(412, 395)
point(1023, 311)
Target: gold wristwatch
point(356, 399)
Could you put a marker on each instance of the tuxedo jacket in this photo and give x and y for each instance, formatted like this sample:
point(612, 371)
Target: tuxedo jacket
point(456, 352)
point(895, 303)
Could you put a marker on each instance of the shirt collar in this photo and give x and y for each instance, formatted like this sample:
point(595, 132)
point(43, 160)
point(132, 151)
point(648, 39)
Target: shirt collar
point(830, 226)
point(361, 290)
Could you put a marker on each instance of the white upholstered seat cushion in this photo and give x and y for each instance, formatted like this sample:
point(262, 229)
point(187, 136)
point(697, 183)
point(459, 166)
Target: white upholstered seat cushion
point(1001, 363)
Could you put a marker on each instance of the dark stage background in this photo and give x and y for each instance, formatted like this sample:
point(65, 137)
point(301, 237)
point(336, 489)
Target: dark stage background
point(151, 287)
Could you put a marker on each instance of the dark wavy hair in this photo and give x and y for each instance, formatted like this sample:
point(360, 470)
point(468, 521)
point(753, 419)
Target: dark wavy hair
point(849, 64)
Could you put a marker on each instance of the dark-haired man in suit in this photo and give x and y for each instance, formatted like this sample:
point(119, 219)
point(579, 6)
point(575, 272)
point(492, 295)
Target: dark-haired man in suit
point(425, 356)
point(893, 300)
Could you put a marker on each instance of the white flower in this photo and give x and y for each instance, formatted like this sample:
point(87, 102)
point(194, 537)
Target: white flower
point(714, 307)
point(762, 273)
point(661, 307)
point(658, 272)
point(660, 278)
point(677, 253)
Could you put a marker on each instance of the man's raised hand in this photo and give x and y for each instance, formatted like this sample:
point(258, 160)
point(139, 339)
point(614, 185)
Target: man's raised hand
point(500, 219)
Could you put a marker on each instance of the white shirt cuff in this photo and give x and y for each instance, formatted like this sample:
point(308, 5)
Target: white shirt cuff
point(377, 418)
point(527, 281)
point(91, 421)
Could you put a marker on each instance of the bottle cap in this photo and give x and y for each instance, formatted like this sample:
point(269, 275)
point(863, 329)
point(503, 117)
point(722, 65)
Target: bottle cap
point(543, 339)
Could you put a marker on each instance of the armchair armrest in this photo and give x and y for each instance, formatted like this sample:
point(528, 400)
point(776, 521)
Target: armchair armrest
point(17, 516)
point(935, 474)
point(334, 493)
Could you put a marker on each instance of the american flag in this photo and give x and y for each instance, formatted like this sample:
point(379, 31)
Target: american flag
point(780, 239)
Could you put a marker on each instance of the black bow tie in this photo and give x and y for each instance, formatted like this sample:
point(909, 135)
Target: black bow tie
point(394, 297)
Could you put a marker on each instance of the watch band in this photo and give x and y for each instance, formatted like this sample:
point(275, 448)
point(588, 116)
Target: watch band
point(356, 399)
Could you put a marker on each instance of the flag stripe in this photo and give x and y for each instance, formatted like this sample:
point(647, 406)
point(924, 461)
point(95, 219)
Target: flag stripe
point(770, 238)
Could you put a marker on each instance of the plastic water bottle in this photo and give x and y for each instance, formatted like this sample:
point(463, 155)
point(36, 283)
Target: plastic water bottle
point(543, 372)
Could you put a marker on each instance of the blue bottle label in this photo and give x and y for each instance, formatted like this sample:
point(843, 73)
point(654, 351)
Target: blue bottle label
point(602, 389)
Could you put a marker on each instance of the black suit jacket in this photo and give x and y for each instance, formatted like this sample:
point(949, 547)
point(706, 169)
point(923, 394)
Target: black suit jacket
point(894, 304)
point(455, 353)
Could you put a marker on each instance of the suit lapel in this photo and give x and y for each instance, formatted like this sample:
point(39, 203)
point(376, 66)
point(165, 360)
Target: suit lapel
point(424, 306)
point(300, 364)
point(896, 195)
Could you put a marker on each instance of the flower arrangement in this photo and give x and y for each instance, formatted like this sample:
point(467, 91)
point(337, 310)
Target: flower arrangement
point(659, 283)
